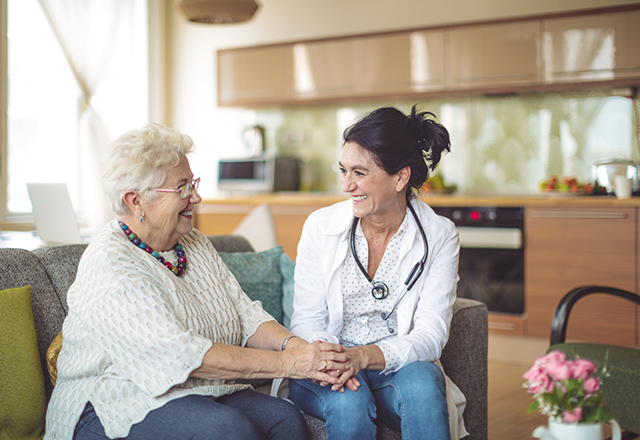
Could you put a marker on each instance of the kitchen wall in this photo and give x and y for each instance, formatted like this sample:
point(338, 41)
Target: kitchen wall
point(498, 132)
point(500, 144)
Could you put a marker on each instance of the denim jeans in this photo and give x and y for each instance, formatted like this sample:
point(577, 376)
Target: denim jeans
point(411, 400)
point(243, 415)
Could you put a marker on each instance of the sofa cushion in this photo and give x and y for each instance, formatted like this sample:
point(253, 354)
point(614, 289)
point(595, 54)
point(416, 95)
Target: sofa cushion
point(23, 408)
point(287, 269)
point(258, 273)
point(52, 358)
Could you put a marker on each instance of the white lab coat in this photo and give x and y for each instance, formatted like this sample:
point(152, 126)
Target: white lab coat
point(424, 314)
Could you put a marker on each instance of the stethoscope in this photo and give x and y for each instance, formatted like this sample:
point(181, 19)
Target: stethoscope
point(379, 289)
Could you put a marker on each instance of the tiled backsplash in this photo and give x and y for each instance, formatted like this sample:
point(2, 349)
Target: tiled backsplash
point(499, 144)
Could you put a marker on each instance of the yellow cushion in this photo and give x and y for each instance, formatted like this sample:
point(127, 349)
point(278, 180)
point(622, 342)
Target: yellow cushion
point(22, 395)
point(52, 357)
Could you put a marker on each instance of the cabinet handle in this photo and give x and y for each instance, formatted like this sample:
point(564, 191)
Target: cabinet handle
point(578, 214)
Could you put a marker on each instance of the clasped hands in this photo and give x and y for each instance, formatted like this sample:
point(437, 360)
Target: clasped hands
point(335, 365)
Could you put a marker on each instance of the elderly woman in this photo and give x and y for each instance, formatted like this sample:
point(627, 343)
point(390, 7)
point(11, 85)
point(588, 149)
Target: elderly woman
point(378, 274)
point(158, 328)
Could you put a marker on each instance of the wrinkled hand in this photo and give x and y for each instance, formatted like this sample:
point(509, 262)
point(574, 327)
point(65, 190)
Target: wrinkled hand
point(316, 361)
point(346, 376)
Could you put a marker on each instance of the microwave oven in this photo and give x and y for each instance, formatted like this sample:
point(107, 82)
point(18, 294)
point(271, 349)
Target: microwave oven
point(259, 174)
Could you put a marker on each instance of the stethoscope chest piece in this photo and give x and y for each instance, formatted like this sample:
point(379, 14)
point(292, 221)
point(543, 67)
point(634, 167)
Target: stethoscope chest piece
point(379, 290)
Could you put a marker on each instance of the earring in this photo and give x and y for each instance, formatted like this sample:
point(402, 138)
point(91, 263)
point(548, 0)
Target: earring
point(141, 217)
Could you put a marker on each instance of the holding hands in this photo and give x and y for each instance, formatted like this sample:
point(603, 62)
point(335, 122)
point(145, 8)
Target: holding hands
point(318, 361)
point(331, 364)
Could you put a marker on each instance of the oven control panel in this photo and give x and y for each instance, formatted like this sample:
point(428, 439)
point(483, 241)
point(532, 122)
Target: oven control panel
point(492, 217)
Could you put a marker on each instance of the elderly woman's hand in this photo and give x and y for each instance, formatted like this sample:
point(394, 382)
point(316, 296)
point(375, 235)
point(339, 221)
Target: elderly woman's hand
point(316, 361)
point(360, 358)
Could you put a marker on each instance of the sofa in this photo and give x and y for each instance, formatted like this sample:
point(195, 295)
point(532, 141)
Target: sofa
point(51, 270)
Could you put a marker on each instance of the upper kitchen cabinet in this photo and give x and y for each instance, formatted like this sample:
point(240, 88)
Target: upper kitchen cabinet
point(326, 69)
point(500, 55)
point(378, 65)
point(258, 75)
point(600, 47)
point(408, 62)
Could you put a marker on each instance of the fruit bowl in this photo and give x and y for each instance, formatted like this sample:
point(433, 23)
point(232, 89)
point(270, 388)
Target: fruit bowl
point(568, 185)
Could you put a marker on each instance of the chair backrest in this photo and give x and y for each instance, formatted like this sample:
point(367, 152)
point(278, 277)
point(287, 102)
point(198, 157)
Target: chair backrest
point(259, 228)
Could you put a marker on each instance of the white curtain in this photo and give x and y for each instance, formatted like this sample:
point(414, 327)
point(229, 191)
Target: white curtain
point(91, 34)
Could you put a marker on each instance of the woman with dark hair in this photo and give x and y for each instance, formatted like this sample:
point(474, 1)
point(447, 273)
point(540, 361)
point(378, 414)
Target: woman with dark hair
point(378, 275)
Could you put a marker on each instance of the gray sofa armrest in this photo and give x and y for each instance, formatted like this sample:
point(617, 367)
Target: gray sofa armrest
point(464, 359)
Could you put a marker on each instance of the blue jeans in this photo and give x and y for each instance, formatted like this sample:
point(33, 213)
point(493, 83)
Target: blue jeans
point(412, 401)
point(243, 415)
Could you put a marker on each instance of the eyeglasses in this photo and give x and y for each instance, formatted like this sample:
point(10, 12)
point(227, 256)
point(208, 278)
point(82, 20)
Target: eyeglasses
point(185, 190)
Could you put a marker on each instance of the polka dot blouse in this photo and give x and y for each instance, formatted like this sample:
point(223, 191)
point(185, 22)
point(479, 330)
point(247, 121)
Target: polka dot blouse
point(362, 313)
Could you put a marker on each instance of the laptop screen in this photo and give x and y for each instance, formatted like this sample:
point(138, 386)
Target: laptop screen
point(53, 213)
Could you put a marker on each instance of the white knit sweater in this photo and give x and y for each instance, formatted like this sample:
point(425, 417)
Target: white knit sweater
point(135, 332)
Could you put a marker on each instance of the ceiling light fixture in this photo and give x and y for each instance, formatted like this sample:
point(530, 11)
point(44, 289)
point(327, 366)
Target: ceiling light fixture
point(218, 11)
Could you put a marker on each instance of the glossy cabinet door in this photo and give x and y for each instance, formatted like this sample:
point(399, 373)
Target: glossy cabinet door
point(598, 47)
point(571, 247)
point(494, 55)
point(259, 75)
point(407, 62)
point(326, 69)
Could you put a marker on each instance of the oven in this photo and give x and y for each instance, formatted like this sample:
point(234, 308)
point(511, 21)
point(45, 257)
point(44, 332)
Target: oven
point(491, 264)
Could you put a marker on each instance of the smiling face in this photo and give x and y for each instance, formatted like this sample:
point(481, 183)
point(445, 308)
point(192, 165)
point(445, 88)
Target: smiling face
point(167, 217)
point(375, 193)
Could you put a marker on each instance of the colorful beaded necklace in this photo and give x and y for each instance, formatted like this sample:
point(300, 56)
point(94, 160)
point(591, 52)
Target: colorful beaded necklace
point(178, 269)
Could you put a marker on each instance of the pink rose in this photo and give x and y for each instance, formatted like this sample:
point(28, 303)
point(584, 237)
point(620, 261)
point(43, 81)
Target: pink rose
point(552, 356)
point(572, 416)
point(582, 368)
point(591, 385)
point(532, 373)
point(558, 370)
point(539, 381)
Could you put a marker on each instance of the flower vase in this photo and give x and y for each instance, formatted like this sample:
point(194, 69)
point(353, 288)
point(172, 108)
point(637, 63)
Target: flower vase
point(575, 431)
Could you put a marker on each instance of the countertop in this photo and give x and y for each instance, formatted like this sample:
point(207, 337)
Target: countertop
point(533, 200)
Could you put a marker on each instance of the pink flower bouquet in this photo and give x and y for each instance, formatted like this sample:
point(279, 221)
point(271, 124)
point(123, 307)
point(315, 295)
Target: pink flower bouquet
point(566, 390)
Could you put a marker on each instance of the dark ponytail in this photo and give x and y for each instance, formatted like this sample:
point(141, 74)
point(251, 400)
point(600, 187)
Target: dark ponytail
point(396, 140)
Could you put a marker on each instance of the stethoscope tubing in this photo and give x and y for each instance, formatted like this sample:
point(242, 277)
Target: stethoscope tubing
point(413, 276)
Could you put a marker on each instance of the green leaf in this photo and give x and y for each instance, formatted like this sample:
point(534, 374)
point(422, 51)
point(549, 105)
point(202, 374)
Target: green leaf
point(533, 407)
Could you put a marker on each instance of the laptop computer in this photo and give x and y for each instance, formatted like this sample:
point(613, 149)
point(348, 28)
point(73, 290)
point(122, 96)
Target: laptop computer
point(53, 213)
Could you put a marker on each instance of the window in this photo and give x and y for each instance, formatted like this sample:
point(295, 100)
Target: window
point(45, 103)
point(42, 107)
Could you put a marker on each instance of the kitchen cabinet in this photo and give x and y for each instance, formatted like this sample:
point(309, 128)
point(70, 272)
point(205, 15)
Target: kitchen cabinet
point(259, 75)
point(598, 47)
point(407, 62)
point(545, 53)
point(494, 55)
point(326, 69)
point(570, 247)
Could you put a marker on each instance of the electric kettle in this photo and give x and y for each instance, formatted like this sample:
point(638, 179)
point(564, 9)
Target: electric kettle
point(254, 140)
point(603, 173)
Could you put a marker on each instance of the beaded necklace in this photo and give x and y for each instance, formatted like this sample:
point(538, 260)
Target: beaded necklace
point(178, 269)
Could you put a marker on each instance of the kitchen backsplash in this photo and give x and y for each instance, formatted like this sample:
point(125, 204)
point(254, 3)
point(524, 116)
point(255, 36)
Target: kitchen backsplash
point(499, 144)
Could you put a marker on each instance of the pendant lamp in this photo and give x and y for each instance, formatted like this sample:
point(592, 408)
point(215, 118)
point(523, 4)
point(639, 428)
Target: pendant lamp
point(218, 11)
